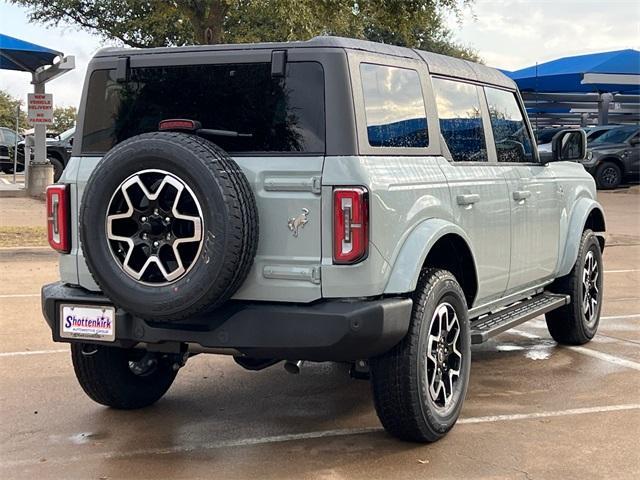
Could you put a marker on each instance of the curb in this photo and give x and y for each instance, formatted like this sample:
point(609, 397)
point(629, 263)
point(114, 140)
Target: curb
point(13, 193)
point(11, 253)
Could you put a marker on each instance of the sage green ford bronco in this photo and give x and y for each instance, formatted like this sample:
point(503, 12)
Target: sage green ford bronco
point(328, 200)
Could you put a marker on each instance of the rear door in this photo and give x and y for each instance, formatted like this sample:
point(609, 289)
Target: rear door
point(287, 191)
point(535, 199)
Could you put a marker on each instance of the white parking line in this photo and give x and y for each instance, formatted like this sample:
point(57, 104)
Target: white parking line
point(31, 352)
point(556, 413)
point(620, 317)
point(623, 362)
point(246, 442)
point(621, 271)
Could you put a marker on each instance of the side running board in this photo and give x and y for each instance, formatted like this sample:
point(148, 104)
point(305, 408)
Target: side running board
point(491, 325)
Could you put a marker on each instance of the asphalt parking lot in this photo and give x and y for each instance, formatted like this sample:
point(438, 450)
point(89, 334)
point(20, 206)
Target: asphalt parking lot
point(534, 409)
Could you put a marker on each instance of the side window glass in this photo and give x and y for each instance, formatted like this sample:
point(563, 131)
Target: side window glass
point(460, 120)
point(513, 143)
point(394, 107)
point(9, 137)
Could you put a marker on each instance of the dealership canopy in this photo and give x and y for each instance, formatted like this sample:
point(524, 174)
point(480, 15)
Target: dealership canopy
point(40, 62)
point(583, 89)
point(16, 54)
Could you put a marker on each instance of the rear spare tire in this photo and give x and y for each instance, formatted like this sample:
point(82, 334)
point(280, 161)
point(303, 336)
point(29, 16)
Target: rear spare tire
point(168, 225)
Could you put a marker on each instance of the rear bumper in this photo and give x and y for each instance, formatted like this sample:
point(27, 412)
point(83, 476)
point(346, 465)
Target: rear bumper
point(323, 331)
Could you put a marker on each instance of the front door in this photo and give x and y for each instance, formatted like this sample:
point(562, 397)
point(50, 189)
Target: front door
point(534, 194)
point(633, 152)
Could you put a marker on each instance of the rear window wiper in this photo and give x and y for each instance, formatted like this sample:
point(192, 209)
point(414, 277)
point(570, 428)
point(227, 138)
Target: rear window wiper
point(222, 133)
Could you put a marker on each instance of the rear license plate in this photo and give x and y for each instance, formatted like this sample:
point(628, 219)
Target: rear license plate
point(88, 322)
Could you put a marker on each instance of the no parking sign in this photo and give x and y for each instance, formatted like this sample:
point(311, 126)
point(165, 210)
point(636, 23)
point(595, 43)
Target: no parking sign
point(40, 108)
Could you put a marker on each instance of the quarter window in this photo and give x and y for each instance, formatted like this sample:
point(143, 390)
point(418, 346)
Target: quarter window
point(461, 120)
point(394, 107)
point(510, 132)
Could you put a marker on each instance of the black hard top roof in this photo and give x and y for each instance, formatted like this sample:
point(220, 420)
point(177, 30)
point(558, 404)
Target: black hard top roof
point(438, 64)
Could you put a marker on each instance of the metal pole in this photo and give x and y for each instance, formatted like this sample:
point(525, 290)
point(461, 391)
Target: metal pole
point(603, 108)
point(15, 145)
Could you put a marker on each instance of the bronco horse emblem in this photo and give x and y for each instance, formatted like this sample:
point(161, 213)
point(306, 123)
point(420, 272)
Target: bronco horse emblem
point(300, 221)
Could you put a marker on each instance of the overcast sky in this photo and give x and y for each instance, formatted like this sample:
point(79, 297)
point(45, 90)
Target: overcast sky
point(509, 34)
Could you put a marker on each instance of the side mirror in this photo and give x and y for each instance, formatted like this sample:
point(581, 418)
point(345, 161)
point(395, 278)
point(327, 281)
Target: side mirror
point(569, 145)
point(634, 141)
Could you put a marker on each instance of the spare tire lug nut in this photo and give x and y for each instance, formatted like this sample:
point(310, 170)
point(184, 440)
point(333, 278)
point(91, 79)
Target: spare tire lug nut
point(155, 211)
point(143, 219)
point(167, 219)
point(144, 236)
point(156, 243)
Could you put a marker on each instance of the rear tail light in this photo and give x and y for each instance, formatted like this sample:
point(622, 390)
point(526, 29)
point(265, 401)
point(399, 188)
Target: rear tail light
point(58, 218)
point(350, 224)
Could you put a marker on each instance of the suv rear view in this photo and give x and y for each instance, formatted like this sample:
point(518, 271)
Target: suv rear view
point(329, 200)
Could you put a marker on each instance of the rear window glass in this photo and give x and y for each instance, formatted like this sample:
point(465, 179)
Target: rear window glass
point(279, 114)
point(460, 120)
point(394, 107)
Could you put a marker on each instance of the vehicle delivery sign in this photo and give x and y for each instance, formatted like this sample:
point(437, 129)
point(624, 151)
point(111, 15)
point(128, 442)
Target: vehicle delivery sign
point(40, 109)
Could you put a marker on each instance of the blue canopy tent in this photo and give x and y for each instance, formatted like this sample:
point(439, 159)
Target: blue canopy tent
point(18, 55)
point(576, 89)
point(617, 72)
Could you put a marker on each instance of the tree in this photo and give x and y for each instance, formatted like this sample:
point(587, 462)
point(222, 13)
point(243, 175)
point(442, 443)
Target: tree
point(154, 23)
point(63, 119)
point(8, 110)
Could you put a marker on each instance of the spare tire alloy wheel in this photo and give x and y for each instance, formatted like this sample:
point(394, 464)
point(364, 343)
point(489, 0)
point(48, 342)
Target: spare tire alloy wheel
point(168, 226)
point(154, 227)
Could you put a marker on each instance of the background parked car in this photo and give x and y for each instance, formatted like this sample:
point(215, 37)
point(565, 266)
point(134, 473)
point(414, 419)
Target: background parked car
point(594, 133)
point(58, 153)
point(615, 154)
point(544, 137)
point(7, 144)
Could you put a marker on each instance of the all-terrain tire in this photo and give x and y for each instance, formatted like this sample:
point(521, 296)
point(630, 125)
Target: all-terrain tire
point(399, 377)
point(106, 377)
point(230, 225)
point(569, 325)
point(608, 175)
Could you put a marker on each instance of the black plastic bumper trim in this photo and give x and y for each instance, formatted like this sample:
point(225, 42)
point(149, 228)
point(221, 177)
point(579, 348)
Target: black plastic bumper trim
point(329, 330)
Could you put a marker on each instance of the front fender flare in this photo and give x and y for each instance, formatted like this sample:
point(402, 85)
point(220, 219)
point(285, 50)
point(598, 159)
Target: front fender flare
point(408, 263)
point(578, 219)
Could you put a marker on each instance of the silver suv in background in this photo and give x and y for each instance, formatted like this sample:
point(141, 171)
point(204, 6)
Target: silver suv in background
point(328, 200)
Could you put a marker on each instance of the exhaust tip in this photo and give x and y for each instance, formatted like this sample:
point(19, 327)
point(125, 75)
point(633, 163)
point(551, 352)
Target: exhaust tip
point(293, 367)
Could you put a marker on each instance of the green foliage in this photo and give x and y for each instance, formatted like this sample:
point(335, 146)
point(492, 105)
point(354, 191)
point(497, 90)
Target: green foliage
point(63, 119)
point(8, 109)
point(153, 23)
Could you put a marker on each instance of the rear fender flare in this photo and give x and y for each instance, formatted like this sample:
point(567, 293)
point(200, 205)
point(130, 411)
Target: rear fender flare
point(413, 253)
